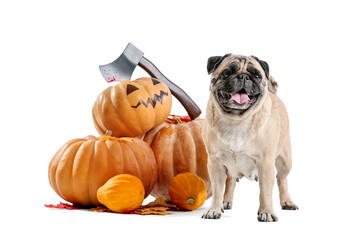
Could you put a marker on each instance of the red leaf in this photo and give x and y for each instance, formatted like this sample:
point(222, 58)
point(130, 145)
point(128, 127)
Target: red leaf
point(64, 206)
point(171, 119)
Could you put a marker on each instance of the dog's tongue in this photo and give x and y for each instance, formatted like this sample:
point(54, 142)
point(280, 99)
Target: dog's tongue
point(239, 98)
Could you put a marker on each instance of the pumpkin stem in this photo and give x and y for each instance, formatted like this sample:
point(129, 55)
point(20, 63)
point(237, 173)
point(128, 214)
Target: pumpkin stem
point(177, 119)
point(190, 200)
point(107, 136)
point(108, 133)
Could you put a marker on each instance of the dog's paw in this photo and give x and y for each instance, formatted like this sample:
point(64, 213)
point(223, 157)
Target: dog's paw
point(212, 214)
point(267, 217)
point(227, 204)
point(289, 205)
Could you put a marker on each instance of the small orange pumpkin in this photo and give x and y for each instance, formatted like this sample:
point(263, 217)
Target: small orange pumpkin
point(81, 166)
point(131, 108)
point(187, 191)
point(178, 147)
point(122, 193)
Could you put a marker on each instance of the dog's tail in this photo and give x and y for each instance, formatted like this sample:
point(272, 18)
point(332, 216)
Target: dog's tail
point(273, 85)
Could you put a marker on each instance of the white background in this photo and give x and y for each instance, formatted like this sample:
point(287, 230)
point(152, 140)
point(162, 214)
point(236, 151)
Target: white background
point(49, 57)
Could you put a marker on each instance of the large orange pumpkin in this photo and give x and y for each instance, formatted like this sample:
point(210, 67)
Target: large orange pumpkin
point(131, 108)
point(178, 148)
point(83, 165)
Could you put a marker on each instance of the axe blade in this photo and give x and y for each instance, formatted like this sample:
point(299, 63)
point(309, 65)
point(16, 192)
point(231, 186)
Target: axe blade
point(123, 67)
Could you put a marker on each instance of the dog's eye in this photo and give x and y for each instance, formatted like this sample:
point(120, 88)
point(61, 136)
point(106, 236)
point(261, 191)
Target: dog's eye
point(257, 76)
point(225, 74)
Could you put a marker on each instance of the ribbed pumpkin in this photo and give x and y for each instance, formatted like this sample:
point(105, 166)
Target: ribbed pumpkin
point(187, 191)
point(178, 148)
point(131, 108)
point(83, 165)
point(122, 193)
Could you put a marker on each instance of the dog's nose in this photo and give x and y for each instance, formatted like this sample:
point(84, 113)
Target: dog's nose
point(243, 77)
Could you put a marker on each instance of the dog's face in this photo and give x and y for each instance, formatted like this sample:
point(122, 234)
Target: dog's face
point(238, 82)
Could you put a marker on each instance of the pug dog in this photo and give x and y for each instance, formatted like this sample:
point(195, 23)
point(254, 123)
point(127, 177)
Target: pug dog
point(246, 134)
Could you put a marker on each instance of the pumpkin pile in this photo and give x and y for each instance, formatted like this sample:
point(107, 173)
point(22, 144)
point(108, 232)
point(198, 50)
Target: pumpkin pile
point(141, 151)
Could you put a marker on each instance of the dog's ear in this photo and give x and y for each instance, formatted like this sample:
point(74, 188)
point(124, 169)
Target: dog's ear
point(213, 62)
point(273, 86)
point(264, 65)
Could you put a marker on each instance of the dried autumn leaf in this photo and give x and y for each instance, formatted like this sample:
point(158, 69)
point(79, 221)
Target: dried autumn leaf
point(139, 211)
point(152, 211)
point(100, 209)
point(157, 207)
point(160, 202)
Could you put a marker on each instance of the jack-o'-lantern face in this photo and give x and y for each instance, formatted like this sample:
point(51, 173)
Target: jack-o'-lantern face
point(131, 108)
point(153, 88)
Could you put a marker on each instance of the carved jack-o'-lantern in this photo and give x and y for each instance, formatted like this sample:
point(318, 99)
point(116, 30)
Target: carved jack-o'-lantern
point(131, 108)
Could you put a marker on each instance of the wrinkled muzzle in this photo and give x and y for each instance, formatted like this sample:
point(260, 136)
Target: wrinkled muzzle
point(238, 93)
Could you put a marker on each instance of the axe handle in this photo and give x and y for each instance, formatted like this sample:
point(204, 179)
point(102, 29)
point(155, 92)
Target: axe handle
point(189, 105)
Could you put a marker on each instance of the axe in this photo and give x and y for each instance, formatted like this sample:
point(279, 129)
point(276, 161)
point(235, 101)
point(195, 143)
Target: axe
point(123, 67)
